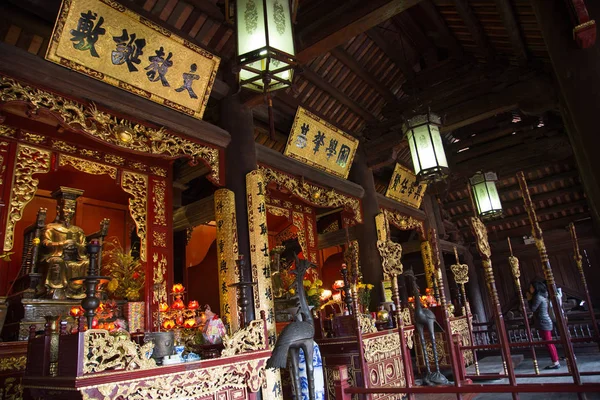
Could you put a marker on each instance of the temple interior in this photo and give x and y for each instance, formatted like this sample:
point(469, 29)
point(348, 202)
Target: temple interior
point(299, 199)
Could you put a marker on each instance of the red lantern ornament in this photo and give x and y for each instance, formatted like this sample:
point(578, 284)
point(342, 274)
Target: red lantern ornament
point(193, 305)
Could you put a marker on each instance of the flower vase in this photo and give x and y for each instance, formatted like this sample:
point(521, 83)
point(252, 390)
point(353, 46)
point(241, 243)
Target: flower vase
point(134, 312)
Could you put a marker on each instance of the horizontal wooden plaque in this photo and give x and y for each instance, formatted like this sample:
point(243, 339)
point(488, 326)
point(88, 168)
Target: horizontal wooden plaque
point(403, 187)
point(105, 40)
point(320, 144)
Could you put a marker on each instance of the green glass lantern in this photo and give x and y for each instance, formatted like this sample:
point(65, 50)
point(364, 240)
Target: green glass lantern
point(485, 195)
point(265, 44)
point(426, 147)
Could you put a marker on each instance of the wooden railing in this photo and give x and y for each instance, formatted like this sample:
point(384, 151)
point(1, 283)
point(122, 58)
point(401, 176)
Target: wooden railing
point(579, 324)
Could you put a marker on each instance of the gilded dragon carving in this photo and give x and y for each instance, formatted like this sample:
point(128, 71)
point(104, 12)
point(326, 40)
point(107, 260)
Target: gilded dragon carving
point(108, 128)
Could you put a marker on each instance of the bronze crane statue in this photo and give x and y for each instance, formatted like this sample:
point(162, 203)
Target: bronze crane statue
point(299, 334)
point(424, 317)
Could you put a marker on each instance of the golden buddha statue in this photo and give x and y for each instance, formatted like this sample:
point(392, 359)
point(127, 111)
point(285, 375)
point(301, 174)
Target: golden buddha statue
point(64, 254)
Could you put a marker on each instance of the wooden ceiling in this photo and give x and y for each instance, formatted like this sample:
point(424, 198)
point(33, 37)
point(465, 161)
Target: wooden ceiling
point(481, 64)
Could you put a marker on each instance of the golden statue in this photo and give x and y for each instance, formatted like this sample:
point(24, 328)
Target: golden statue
point(64, 253)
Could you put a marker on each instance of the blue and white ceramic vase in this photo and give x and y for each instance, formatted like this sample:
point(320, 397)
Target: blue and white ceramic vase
point(318, 375)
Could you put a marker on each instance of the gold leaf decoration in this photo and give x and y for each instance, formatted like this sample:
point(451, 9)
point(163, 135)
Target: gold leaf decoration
point(108, 128)
point(137, 186)
point(28, 161)
point(315, 195)
point(87, 166)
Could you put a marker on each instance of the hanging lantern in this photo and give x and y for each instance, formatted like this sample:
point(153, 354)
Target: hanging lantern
point(485, 194)
point(265, 44)
point(426, 148)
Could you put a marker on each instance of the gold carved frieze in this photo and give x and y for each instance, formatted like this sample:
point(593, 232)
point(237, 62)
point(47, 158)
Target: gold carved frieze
point(90, 153)
point(159, 278)
point(108, 128)
point(33, 137)
point(366, 323)
point(87, 166)
point(298, 221)
point(159, 239)
point(405, 222)
point(250, 338)
point(136, 185)
point(13, 363)
point(8, 131)
point(159, 171)
point(379, 346)
point(28, 161)
point(278, 211)
point(138, 166)
point(310, 229)
point(159, 190)
point(106, 352)
point(315, 195)
point(4, 148)
point(63, 147)
point(391, 257)
point(115, 160)
point(196, 383)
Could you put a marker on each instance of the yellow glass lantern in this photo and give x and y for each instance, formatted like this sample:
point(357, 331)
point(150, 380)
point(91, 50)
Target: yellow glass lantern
point(265, 44)
point(485, 195)
point(426, 147)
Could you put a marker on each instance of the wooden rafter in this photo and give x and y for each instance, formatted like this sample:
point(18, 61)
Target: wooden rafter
point(393, 52)
point(540, 212)
point(454, 47)
point(474, 26)
point(333, 33)
point(362, 73)
point(337, 94)
point(507, 205)
point(512, 29)
point(531, 183)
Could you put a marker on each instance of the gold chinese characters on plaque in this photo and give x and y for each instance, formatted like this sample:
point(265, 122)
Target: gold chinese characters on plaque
point(404, 187)
point(321, 145)
point(108, 42)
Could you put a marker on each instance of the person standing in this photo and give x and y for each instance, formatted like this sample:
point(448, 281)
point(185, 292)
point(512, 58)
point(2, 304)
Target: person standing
point(539, 305)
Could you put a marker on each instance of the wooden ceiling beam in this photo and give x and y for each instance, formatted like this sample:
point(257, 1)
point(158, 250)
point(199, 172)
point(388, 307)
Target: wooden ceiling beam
point(539, 152)
point(474, 26)
point(536, 198)
point(407, 26)
point(337, 94)
point(525, 230)
point(539, 211)
point(393, 52)
point(510, 98)
point(502, 143)
point(454, 47)
point(153, 18)
point(513, 30)
point(333, 33)
point(363, 74)
point(546, 180)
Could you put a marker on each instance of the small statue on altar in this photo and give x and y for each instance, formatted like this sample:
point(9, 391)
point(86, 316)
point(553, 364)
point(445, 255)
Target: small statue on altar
point(64, 255)
point(214, 329)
